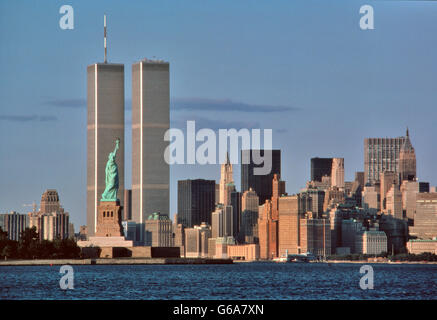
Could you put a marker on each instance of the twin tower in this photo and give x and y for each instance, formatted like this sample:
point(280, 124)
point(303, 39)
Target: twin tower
point(150, 121)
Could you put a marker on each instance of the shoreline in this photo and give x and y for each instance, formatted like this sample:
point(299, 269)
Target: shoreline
point(114, 261)
point(180, 261)
point(381, 262)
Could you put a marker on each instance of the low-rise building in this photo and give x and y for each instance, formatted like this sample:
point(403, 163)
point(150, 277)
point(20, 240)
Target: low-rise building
point(245, 252)
point(13, 223)
point(371, 242)
point(421, 246)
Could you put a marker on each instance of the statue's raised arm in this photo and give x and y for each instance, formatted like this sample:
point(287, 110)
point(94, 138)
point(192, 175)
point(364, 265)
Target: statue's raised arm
point(117, 145)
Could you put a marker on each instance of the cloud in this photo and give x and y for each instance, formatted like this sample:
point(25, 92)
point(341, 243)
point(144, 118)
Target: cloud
point(281, 130)
point(225, 105)
point(78, 103)
point(213, 124)
point(186, 104)
point(67, 103)
point(27, 118)
point(47, 118)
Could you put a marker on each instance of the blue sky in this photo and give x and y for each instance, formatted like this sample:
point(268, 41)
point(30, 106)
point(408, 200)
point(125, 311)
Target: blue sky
point(302, 68)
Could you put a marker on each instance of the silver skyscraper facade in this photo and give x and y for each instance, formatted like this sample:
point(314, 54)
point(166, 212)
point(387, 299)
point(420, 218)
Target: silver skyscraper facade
point(150, 121)
point(105, 96)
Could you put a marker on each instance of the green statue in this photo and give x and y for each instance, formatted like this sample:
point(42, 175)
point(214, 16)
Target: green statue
point(110, 193)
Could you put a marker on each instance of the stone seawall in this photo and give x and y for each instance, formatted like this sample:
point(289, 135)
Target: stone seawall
point(114, 261)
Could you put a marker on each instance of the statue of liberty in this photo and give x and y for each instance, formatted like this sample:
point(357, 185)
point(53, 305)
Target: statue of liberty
point(110, 193)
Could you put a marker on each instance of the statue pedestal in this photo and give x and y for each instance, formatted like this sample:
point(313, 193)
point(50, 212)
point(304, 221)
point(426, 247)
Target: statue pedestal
point(104, 242)
point(109, 219)
point(109, 232)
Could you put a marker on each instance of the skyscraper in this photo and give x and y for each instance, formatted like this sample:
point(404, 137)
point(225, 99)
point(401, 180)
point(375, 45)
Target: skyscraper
point(159, 231)
point(261, 184)
point(236, 213)
point(105, 123)
point(383, 154)
point(226, 181)
point(320, 167)
point(337, 173)
point(127, 210)
point(407, 160)
point(196, 202)
point(425, 220)
point(249, 217)
point(289, 214)
point(387, 179)
point(222, 222)
point(150, 121)
point(51, 221)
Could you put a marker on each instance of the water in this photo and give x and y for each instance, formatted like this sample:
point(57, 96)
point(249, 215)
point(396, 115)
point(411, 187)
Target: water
point(238, 281)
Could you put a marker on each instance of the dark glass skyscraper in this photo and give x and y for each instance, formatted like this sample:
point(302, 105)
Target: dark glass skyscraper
point(196, 201)
point(236, 212)
point(320, 167)
point(261, 184)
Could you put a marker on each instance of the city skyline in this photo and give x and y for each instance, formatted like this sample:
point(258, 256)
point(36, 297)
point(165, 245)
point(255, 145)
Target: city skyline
point(41, 137)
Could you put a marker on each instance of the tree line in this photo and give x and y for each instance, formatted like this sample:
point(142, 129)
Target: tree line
point(424, 256)
point(31, 247)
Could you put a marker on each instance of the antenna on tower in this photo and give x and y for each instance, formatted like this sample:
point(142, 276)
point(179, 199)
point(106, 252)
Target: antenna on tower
point(104, 35)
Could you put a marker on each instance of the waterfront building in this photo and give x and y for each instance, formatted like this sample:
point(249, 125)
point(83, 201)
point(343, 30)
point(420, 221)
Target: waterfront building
point(396, 231)
point(14, 224)
point(219, 247)
point(159, 231)
point(371, 242)
point(349, 230)
point(245, 252)
point(105, 99)
point(150, 121)
point(261, 184)
point(196, 241)
point(418, 246)
point(315, 235)
point(196, 202)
